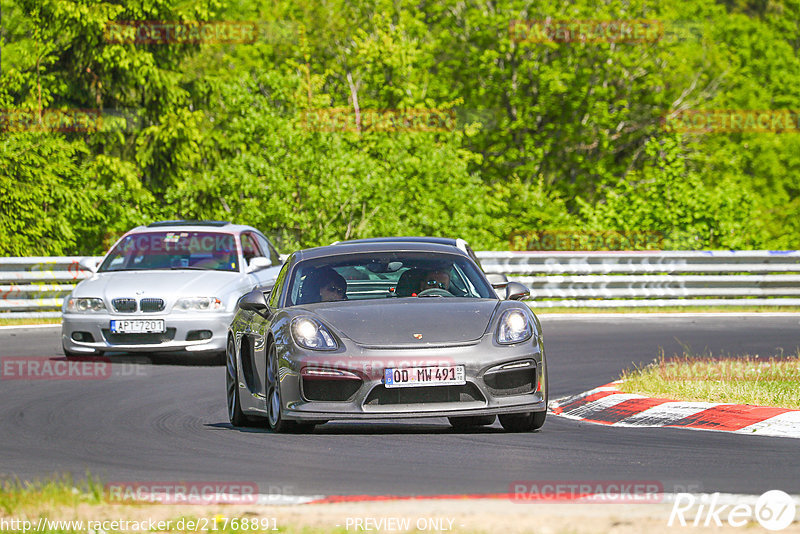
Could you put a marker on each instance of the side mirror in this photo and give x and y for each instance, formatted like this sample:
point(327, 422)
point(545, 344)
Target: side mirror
point(254, 301)
point(498, 280)
point(90, 264)
point(516, 291)
point(258, 263)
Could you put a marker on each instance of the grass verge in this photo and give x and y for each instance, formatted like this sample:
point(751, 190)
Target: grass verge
point(16, 495)
point(746, 379)
point(24, 322)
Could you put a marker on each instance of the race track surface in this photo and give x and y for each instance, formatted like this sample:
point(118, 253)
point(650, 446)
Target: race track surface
point(167, 422)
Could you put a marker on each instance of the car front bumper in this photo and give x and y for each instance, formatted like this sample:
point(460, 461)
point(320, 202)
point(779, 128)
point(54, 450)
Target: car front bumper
point(75, 327)
point(369, 398)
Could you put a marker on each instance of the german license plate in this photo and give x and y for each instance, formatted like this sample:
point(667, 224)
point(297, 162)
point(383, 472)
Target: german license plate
point(451, 375)
point(136, 326)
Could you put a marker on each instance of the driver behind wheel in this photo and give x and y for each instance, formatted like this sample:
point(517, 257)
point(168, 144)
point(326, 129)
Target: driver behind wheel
point(437, 279)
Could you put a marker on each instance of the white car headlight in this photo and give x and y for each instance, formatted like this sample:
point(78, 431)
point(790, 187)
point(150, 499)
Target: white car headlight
point(85, 305)
point(514, 327)
point(198, 304)
point(313, 335)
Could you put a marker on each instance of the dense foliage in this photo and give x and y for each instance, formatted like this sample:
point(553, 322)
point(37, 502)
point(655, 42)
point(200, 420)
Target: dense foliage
point(539, 136)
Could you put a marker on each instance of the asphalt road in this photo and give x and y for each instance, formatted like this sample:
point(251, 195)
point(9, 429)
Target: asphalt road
point(167, 422)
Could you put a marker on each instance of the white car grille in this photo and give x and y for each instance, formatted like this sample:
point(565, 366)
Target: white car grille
point(125, 305)
point(146, 305)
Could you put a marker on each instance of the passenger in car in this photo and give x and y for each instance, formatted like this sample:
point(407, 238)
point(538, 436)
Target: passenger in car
point(324, 285)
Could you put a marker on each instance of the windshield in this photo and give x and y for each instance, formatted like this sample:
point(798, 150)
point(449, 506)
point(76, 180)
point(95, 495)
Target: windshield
point(386, 275)
point(213, 251)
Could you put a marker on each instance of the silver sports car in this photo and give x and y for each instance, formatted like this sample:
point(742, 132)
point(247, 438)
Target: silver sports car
point(383, 330)
point(168, 286)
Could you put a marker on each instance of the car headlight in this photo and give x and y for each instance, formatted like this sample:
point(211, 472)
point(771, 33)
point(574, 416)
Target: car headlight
point(312, 334)
point(85, 305)
point(514, 327)
point(198, 304)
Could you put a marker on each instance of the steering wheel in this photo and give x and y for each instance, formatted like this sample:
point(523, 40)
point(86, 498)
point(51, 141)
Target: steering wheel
point(434, 292)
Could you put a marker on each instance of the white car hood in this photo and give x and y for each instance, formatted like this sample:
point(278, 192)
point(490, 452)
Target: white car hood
point(167, 285)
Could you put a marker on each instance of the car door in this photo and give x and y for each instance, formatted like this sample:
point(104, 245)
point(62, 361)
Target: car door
point(261, 327)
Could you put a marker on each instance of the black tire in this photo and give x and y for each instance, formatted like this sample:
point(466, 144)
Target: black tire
point(273, 397)
point(462, 423)
point(523, 422)
point(235, 414)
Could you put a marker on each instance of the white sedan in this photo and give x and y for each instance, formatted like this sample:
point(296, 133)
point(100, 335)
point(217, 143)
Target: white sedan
point(168, 286)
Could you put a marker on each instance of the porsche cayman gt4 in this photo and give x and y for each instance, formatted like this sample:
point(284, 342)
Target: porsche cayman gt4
point(385, 330)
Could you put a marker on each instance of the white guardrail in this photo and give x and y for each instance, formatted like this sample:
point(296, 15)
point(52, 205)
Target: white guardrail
point(36, 287)
point(660, 278)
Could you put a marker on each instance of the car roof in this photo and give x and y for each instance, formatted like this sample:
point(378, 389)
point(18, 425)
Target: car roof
point(182, 222)
point(408, 239)
point(450, 241)
point(196, 226)
point(458, 243)
point(360, 246)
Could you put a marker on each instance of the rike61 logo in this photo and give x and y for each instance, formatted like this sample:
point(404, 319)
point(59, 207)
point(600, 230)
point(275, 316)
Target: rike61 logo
point(774, 510)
